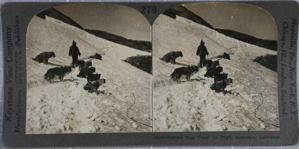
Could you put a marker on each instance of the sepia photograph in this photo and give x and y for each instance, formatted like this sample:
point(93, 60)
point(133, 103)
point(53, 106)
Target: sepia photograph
point(215, 69)
point(89, 69)
point(156, 74)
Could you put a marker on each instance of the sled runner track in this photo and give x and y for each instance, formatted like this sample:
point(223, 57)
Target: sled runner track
point(162, 82)
point(35, 82)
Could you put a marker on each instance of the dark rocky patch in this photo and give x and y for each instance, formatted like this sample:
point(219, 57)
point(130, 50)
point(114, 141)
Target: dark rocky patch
point(141, 62)
point(269, 61)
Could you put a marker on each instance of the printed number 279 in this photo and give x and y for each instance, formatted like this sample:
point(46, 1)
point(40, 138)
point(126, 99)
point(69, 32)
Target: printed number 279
point(149, 9)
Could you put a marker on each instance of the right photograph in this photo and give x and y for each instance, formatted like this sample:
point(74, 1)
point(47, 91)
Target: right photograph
point(215, 69)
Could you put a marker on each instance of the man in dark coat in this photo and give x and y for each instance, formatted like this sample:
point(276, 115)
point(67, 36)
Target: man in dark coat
point(74, 52)
point(202, 52)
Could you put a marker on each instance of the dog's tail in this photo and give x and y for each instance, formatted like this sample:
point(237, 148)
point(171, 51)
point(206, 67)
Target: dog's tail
point(34, 59)
point(161, 59)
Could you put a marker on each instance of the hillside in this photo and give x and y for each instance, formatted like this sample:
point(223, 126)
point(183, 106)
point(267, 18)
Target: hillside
point(123, 105)
point(136, 44)
point(251, 100)
point(185, 13)
point(52, 12)
point(269, 44)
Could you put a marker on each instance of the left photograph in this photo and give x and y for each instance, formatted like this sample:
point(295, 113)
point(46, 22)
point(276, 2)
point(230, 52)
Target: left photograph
point(89, 70)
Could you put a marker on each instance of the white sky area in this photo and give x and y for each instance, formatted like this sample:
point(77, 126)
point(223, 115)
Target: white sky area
point(112, 18)
point(244, 18)
point(129, 23)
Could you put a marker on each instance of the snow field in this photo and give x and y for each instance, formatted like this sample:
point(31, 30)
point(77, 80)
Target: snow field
point(126, 102)
point(193, 106)
point(64, 107)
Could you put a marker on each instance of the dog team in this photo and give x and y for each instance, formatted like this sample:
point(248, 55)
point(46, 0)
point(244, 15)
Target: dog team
point(86, 70)
point(213, 68)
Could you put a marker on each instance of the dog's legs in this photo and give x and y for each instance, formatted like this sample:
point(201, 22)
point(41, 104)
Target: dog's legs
point(61, 77)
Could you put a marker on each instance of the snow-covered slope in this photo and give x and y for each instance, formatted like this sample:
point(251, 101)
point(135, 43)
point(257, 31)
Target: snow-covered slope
point(64, 107)
point(182, 11)
point(192, 105)
point(125, 105)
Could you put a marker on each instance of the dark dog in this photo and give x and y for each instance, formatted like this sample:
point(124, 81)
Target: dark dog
point(57, 71)
point(187, 71)
point(212, 72)
point(44, 57)
point(84, 65)
point(96, 56)
point(93, 77)
point(80, 64)
point(87, 65)
point(214, 64)
point(225, 56)
point(85, 72)
point(220, 77)
point(207, 63)
point(93, 87)
point(211, 64)
point(221, 85)
point(171, 56)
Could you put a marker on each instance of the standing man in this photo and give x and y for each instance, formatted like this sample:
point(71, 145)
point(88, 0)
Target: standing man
point(74, 52)
point(202, 52)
